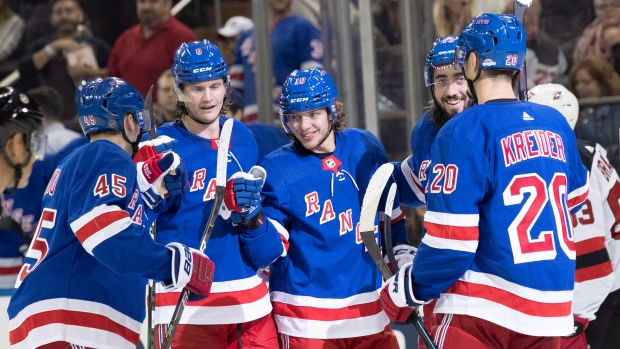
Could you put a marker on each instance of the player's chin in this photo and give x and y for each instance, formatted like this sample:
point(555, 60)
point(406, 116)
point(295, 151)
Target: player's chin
point(454, 108)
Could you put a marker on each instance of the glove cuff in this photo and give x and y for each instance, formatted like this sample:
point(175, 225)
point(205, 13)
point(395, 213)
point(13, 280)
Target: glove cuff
point(181, 267)
point(253, 223)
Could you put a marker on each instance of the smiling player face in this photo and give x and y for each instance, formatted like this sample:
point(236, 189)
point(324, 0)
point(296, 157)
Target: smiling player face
point(450, 89)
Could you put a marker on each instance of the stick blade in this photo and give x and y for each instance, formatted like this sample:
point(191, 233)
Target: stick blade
point(373, 196)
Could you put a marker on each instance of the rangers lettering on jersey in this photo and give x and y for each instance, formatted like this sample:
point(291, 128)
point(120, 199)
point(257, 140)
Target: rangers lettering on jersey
point(531, 144)
point(327, 212)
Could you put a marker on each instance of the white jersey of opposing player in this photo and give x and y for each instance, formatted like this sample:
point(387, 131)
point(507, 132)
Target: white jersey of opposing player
point(598, 221)
point(540, 73)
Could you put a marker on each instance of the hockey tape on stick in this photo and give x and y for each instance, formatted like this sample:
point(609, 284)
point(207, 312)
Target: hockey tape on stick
point(220, 182)
point(367, 224)
point(519, 8)
point(369, 212)
point(387, 226)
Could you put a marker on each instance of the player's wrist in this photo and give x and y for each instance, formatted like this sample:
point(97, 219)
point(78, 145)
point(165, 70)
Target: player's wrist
point(253, 223)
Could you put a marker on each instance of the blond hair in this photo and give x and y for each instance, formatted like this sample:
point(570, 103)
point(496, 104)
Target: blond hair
point(444, 25)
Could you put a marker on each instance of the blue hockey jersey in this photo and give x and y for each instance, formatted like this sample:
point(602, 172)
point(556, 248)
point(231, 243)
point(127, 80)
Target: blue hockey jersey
point(236, 286)
point(325, 286)
point(411, 174)
point(295, 44)
point(24, 207)
point(84, 277)
point(504, 178)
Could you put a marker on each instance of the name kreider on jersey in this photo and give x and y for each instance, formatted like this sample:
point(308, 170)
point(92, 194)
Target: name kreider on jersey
point(531, 144)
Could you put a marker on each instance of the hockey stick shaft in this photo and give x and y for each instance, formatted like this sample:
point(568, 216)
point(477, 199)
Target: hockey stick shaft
point(387, 227)
point(519, 9)
point(220, 185)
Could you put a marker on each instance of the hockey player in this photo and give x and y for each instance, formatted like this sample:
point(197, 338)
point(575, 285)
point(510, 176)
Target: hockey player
point(450, 96)
point(498, 250)
point(324, 285)
point(20, 139)
point(238, 307)
point(594, 227)
point(20, 144)
point(83, 280)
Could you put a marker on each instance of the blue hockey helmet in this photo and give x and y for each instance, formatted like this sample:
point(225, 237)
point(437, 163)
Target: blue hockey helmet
point(498, 40)
point(198, 61)
point(442, 53)
point(102, 105)
point(308, 89)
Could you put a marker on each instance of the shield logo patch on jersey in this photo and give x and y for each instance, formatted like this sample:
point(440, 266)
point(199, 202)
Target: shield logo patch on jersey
point(331, 163)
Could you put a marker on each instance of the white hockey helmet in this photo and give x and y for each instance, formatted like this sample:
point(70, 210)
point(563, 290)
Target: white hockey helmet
point(558, 97)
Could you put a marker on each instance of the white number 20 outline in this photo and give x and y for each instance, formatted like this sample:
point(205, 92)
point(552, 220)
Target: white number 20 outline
point(524, 247)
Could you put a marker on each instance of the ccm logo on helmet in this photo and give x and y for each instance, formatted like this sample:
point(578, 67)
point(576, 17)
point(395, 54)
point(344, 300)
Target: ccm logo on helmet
point(200, 70)
point(297, 100)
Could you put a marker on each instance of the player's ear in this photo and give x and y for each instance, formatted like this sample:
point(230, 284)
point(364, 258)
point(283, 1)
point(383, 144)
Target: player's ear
point(471, 64)
point(16, 149)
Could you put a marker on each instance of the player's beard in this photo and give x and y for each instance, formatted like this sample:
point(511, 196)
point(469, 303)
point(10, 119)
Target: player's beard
point(440, 115)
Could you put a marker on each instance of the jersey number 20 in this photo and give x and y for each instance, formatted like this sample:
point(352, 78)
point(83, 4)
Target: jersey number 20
point(525, 248)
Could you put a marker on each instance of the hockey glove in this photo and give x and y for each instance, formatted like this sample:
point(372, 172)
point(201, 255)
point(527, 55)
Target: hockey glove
point(577, 339)
point(192, 269)
point(243, 197)
point(148, 149)
point(403, 253)
point(150, 175)
point(176, 182)
point(397, 295)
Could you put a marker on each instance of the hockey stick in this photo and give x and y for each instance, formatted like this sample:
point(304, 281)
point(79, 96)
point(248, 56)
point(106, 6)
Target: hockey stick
point(367, 224)
point(220, 183)
point(387, 227)
point(519, 8)
point(148, 105)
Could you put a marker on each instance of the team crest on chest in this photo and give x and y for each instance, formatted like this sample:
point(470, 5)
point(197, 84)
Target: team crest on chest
point(331, 163)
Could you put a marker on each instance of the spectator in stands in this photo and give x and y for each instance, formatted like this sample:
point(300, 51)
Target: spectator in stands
point(47, 59)
point(166, 98)
point(601, 38)
point(562, 23)
point(147, 49)
point(386, 18)
point(295, 44)
point(268, 137)
point(11, 30)
point(595, 78)
point(50, 102)
point(450, 16)
point(227, 35)
point(592, 78)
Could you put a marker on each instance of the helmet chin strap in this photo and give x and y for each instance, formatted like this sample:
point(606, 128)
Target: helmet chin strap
point(200, 121)
point(134, 144)
point(470, 83)
point(17, 168)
